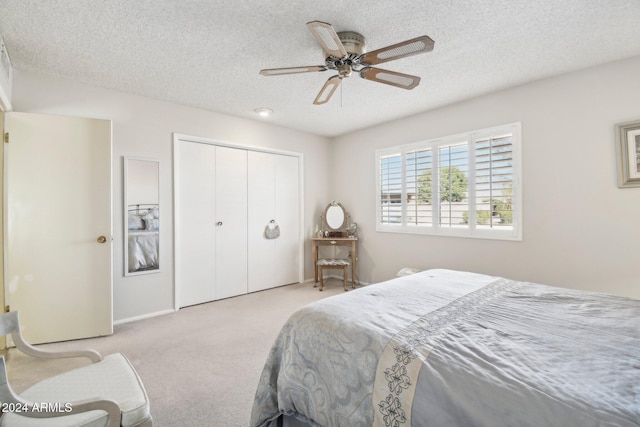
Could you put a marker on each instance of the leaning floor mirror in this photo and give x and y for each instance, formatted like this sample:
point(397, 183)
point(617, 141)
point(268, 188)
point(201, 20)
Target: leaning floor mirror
point(141, 216)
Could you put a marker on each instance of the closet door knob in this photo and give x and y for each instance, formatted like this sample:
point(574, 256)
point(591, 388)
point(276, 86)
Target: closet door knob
point(219, 223)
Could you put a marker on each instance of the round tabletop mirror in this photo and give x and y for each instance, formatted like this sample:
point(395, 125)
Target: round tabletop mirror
point(335, 217)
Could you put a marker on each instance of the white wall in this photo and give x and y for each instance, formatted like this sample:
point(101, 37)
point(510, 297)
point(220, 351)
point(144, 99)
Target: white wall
point(144, 127)
point(142, 182)
point(580, 230)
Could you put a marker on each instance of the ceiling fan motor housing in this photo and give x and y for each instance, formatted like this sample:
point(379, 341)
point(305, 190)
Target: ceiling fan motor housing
point(353, 42)
point(354, 45)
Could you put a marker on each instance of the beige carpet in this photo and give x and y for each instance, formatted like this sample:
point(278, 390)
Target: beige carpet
point(200, 365)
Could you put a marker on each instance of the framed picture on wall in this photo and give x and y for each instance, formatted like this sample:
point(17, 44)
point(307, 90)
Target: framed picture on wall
point(628, 150)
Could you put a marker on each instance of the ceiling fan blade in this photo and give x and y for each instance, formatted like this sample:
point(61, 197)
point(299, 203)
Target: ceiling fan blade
point(393, 78)
point(415, 46)
point(292, 70)
point(327, 37)
point(327, 90)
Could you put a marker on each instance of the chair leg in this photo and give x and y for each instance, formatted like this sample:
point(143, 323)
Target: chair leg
point(353, 278)
point(147, 423)
point(321, 273)
point(315, 281)
point(344, 271)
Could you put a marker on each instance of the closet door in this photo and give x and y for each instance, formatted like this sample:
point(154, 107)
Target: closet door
point(262, 210)
point(225, 198)
point(287, 199)
point(273, 196)
point(195, 219)
point(231, 222)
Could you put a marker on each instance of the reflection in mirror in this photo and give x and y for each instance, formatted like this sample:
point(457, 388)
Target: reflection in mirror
point(334, 220)
point(141, 216)
point(335, 217)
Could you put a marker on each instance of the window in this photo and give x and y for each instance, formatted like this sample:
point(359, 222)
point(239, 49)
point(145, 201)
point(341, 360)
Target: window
point(463, 185)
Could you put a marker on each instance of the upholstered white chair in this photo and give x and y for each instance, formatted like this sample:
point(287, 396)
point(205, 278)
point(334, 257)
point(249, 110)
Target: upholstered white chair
point(333, 264)
point(106, 393)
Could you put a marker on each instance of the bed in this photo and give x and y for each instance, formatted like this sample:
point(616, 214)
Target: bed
point(450, 348)
point(143, 237)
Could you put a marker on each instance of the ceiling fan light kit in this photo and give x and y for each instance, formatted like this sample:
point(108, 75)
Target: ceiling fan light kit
point(344, 52)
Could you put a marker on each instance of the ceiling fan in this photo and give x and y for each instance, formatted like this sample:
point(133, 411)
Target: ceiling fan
point(344, 52)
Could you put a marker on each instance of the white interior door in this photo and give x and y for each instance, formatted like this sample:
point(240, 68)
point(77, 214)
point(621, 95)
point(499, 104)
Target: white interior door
point(195, 251)
point(231, 222)
point(262, 209)
point(58, 204)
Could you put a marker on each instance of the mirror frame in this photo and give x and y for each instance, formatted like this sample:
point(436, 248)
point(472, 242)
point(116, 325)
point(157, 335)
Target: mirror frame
point(141, 206)
point(345, 221)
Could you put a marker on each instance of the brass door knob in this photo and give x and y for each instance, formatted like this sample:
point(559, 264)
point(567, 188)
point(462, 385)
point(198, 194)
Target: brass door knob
point(102, 239)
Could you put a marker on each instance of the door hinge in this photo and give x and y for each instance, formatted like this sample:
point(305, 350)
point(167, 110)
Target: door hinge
point(6, 137)
point(7, 308)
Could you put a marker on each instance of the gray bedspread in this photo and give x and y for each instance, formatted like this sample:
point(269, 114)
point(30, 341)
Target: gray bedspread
point(446, 348)
point(143, 251)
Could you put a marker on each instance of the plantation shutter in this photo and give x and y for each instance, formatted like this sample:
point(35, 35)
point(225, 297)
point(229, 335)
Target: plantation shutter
point(390, 187)
point(494, 182)
point(453, 169)
point(465, 185)
point(419, 169)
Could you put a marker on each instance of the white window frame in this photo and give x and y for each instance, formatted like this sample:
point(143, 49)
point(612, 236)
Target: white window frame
point(514, 129)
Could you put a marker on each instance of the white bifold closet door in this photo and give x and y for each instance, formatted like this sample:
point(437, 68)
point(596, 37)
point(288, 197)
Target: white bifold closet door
point(212, 222)
point(195, 187)
point(231, 222)
point(273, 198)
point(225, 197)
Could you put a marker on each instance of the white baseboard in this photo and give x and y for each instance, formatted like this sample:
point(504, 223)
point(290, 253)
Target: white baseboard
point(169, 311)
point(144, 316)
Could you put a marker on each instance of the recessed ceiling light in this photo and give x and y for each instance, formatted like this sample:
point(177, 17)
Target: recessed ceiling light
point(264, 112)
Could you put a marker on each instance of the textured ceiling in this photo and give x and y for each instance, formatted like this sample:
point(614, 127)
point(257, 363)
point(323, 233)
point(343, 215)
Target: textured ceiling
point(207, 54)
